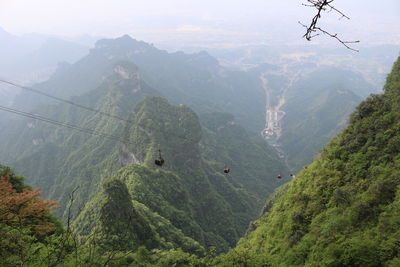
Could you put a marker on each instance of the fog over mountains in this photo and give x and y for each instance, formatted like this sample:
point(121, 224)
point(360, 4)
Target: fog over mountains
point(31, 58)
point(198, 133)
point(208, 23)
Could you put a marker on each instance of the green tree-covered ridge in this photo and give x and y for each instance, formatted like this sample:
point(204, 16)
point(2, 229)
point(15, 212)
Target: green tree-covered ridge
point(343, 209)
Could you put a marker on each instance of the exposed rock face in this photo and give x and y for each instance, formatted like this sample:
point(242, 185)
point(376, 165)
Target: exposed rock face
point(122, 72)
point(127, 157)
point(126, 72)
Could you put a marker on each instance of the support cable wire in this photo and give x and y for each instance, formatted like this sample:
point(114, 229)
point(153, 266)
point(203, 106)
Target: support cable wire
point(75, 104)
point(81, 129)
point(64, 100)
point(66, 125)
point(71, 126)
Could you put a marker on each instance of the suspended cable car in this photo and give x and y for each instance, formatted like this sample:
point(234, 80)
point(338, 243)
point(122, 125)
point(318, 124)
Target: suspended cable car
point(279, 176)
point(227, 170)
point(159, 161)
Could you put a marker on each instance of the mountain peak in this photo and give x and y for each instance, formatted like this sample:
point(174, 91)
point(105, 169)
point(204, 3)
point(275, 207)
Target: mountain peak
point(204, 58)
point(125, 37)
point(124, 42)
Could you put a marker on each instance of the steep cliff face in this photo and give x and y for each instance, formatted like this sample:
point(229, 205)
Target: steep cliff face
point(343, 209)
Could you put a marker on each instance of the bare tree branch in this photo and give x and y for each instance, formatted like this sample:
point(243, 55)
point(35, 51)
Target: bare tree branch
point(69, 213)
point(313, 30)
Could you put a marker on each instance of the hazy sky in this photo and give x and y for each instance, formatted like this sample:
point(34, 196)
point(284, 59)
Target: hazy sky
point(196, 21)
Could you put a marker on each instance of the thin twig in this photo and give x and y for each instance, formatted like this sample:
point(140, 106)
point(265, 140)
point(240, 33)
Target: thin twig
point(313, 30)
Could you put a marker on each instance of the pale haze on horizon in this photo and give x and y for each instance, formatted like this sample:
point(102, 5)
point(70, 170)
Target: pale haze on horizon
point(198, 22)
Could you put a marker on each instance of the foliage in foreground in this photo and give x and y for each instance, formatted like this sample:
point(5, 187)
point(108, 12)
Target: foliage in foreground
point(31, 236)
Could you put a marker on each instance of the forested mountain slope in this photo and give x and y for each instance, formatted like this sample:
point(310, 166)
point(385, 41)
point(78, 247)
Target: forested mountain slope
point(190, 194)
point(317, 108)
point(343, 209)
point(58, 159)
point(219, 206)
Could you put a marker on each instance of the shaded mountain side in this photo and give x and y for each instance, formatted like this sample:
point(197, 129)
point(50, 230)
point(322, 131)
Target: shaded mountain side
point(343, 209)
point(317, 108)
point(52, 52)
point(32, 58)
point(194, 79)
point(307, 105)
point(27, 53)
point(223, 137)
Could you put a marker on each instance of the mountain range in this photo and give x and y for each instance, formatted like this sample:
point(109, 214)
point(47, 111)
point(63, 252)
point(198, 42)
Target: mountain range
point(202, 118)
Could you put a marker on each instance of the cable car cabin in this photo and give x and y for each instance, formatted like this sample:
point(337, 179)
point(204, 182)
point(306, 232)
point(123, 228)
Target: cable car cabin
point(279, 176)
point(159, 162)
point(227, 170)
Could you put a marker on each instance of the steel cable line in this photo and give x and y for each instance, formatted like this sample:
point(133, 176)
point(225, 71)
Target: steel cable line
point(86, 130)
point(75, 104)
point(71, 126)
point(64, 100)
point(64, 124)
point(74, 127)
